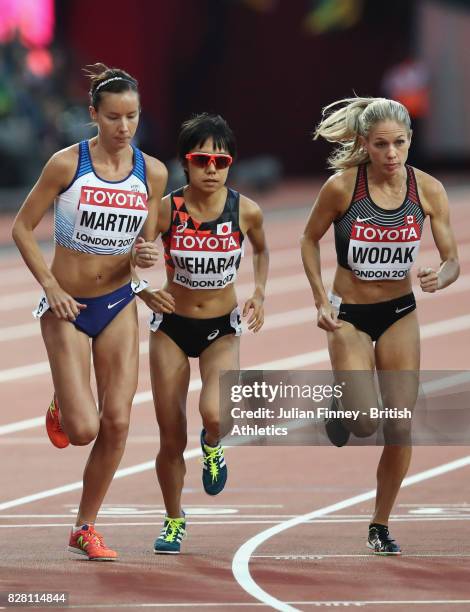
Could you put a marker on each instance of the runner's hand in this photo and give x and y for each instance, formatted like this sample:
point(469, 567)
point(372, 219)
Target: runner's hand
point(158, 300)
point(428, 280)
point(256, 318)
point(145, 254)
point(62, 304)
point(327, 318)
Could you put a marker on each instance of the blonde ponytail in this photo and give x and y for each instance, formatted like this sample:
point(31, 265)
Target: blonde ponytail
point(354, 118)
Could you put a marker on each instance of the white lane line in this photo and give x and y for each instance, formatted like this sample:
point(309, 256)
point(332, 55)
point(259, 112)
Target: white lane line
point(148, 465)
point(315, 604)
point(27, 371)
point(276, 286)
point(284, 284)
point(241, 559)
point(17, 300)
point(431, 330)
point(139, 398)
point(16, 332)
point(143, 523)
point(316, 356)
point(275, 321)
point(370, 555)
point(279, 258)
point(196, 522)
point(74, 486)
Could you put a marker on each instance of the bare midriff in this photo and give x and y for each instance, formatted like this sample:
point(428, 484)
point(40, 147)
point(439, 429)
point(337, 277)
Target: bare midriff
point(355, 291)
point(202, 303)
point(88, 275)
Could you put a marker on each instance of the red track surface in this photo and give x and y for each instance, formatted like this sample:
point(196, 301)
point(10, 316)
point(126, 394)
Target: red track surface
point(321, 561)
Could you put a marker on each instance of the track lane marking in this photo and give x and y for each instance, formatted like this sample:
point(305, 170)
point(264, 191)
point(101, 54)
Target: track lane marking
point(275, 321)
point(195, 452)
point(316, 604)
point(430, 330)
point(276, 286)
point(241, 559)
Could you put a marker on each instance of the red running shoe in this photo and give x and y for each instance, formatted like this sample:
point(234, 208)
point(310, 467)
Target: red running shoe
point(56, 434)
point(86, 541)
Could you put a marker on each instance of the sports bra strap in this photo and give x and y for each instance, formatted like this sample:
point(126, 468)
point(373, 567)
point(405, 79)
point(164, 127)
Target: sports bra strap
point(360, 189)
point(84, 160)
point(412, 186)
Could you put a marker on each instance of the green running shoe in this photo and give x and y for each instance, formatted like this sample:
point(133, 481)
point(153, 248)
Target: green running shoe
point(169, 540)
point(214, 469)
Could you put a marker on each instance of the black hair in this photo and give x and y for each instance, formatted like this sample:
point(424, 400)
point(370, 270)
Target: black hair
point(108, 80)
point(195, 131)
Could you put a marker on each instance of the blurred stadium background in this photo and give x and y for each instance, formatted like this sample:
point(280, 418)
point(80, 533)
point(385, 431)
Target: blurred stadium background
point(268, 66)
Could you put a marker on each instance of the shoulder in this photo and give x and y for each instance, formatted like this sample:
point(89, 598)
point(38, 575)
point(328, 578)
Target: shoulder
point(429, 186)
point(335, 195)
point(432, 192)
point(64, 159)
point(155, 169)
point(341, 184)
point(250, 211)
point(61, 167)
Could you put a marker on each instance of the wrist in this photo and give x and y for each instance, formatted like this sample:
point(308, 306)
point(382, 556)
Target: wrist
point(321, 300)
point(259, 293)
point(48, 283)
point(145, 294)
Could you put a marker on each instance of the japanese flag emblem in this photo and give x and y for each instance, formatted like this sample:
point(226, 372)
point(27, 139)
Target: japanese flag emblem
point(410, 219)
point(224, 228)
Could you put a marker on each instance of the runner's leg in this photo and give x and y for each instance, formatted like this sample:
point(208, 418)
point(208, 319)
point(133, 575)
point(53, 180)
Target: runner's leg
point(169, 368)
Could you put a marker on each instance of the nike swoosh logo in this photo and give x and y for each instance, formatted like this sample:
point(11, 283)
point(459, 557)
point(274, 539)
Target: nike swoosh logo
point(115, 303)
point(397, 310)
point(362, 220)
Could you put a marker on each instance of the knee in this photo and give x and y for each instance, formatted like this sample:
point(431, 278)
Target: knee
point(365, 428)
point(173, 443)
point(83, 433)
point(397, 432)
point(115, 428)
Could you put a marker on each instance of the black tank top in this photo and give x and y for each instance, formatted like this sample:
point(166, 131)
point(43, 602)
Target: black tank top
point(376, 243)
point(203, 255)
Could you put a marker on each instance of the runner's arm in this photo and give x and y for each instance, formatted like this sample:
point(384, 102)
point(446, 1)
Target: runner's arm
point(438, 210)
point(158, 300)
point(326, 208)
point(255, 232)
point(57, 174)
point(145, 252)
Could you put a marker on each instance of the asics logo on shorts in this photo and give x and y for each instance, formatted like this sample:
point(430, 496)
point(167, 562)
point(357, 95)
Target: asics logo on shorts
point(213, 334)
